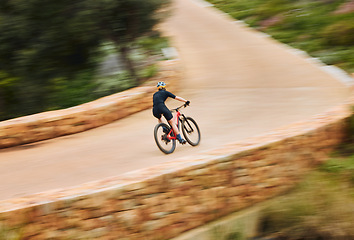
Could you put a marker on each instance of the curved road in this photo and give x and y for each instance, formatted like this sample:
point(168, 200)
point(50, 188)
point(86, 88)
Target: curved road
point(240, 84)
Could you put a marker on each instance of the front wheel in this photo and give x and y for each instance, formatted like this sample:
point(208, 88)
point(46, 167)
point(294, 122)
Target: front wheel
point(161, 133)
point(191, 131)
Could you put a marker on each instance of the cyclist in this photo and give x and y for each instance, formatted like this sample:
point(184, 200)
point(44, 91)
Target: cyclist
point(159, 108)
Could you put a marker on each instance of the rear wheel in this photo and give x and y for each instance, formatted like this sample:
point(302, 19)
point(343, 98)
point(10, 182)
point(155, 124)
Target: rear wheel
point(161, 132)
point(191, 131)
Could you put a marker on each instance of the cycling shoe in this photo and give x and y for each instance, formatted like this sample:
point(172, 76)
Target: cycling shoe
point(182, 141)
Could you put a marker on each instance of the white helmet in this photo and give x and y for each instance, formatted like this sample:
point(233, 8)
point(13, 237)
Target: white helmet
point(161, 85)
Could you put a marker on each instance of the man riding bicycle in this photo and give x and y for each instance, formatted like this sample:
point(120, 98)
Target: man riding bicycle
point(159, 108)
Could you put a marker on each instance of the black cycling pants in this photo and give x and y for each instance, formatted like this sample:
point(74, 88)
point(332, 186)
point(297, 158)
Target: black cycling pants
point(161, 109)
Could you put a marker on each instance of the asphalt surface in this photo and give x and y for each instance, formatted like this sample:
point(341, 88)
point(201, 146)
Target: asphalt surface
point(239, 82)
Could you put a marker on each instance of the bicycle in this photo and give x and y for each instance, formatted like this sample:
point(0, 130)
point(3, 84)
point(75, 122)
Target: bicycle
point(165, 137)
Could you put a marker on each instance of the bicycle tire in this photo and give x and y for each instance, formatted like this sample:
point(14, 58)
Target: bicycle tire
point(165, 145)
point(189, 126)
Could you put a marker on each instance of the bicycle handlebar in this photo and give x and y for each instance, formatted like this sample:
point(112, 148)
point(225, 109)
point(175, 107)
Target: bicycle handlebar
point(176, 109)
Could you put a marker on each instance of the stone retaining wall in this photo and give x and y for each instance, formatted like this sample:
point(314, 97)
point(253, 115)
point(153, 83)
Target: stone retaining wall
point(105, 110)
point(163, 201)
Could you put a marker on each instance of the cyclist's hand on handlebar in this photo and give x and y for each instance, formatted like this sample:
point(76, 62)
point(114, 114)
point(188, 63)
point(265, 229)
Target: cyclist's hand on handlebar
point(187, 103)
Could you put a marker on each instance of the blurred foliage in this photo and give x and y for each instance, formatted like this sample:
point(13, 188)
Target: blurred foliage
point(271, 8)
point(113, 83)
point(339, 33)
point(153, 44)
point(320, 207)
point(310, 25)
point(123, 22)
point(346, 148)
point(340, 166)
point(50, 50)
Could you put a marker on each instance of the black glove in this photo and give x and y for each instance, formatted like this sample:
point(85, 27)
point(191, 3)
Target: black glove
point(187, 103)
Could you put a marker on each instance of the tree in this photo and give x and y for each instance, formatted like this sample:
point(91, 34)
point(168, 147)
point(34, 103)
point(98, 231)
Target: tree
point(42, 40)
point(45, 40)
point(123, 21)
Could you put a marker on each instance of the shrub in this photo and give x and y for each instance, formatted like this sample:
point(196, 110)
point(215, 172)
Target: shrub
point(272, 8)
point(340, 33)
point(321, 207)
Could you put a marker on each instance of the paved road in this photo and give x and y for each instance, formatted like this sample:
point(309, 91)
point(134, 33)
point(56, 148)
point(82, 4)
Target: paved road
point(239, 83)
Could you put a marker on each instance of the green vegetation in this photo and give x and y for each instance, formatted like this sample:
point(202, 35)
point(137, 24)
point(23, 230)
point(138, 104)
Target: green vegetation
point(321, 206)
point(323, 28)
point(50, 51)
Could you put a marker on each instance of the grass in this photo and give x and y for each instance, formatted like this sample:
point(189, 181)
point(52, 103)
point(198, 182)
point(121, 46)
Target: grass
point(309, 25)
point(321, 206)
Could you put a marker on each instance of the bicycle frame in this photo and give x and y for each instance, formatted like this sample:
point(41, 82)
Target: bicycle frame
point(166, 138)
point(177, 119)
